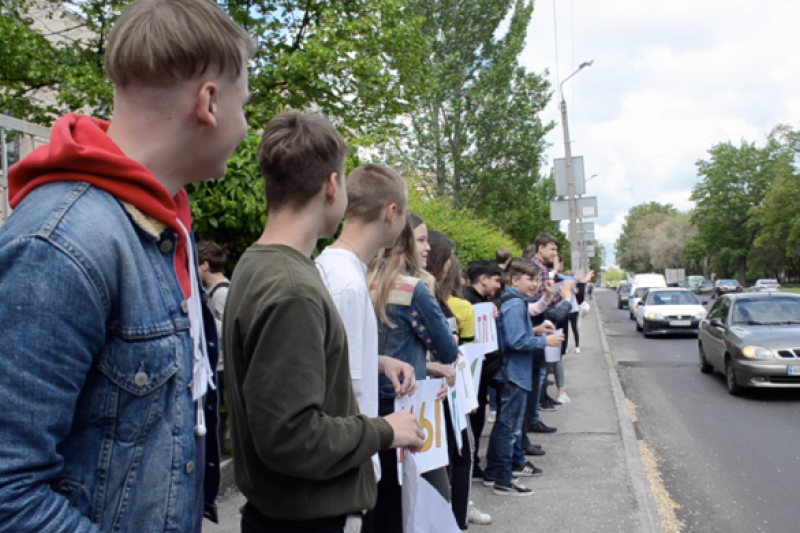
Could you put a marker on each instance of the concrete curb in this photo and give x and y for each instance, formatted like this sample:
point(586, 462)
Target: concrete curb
point(648, 511)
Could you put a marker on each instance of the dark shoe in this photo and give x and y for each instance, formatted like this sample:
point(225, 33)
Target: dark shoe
point(548, 399)
point(515, 489)
point(549, 406)
point(542, 428)
point(477, 473)
point(535, 451)
point(526, 470)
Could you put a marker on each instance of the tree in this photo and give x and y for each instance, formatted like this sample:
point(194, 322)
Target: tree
point(733, 182)
point(596, 262)
point(477, 138)
point(632, 256)
point(358, 62)
point(613, 276)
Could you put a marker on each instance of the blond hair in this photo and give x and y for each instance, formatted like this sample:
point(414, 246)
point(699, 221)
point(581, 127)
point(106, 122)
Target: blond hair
point(370, 188)
point(167, 40)
point(389, 265)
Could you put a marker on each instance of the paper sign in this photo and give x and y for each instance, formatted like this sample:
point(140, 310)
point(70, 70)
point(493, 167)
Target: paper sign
point(552, 354)
point(465, 385)
point(424, 509)
point(475, 354)
point(485, 326)
point(430, 414)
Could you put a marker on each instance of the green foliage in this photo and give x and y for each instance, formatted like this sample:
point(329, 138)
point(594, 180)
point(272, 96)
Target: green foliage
point(357, 61)
point(476, 137)
point(475, 238)
point(629, 248)
point(733, 182)
point(614, 276)
point(232, 210)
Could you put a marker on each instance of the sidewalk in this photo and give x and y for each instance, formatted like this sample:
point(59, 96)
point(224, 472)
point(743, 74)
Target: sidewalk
point(593, 479)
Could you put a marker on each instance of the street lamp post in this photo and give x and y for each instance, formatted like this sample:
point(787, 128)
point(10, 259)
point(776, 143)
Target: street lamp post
point(573, 204)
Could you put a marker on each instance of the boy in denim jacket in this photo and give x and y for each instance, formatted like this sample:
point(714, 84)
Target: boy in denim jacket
point(517, 342)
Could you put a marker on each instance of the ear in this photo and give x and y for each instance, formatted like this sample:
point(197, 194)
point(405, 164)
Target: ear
point(203, 266)
point(207, 109)
point(332, 187)
point(391, 213)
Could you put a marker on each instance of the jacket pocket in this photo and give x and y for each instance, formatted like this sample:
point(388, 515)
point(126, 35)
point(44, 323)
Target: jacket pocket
point(132, 392)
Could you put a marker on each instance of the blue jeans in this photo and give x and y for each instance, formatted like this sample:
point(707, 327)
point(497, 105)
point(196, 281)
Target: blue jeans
point(503, 443)
point(532, 407)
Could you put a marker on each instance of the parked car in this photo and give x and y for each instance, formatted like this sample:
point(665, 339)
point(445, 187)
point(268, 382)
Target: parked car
point(766, 285)
point(644, 281)
point(670, 310)
point(623, 293)
point(705, 287)
point(724, 286)
point(754, 339)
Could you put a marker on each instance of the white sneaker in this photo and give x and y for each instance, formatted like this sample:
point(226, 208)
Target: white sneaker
point(478, 517)
point(492, 417)
point(563, 398)
point(577, 350)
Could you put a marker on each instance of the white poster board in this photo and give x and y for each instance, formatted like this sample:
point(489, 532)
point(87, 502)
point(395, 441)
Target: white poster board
point(475, 354)
point(430, 414)
point(552, 354)
point(485, 326)
point(424, 509)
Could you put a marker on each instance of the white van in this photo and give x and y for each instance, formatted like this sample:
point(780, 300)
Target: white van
point(643, 281)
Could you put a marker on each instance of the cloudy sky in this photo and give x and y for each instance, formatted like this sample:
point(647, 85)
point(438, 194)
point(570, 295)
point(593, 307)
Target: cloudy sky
point(670, 79)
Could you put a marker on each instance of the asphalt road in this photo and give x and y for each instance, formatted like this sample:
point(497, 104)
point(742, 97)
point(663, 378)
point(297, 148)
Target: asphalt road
point(732, 464)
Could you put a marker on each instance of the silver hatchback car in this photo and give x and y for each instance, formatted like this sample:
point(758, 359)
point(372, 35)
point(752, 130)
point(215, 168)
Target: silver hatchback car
point(754, 339)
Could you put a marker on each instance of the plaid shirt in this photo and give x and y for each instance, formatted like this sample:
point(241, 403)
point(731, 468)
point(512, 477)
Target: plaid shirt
point(544, 277)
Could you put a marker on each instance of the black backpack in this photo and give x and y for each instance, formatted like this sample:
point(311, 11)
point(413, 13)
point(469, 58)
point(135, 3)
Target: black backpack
point(494, 360)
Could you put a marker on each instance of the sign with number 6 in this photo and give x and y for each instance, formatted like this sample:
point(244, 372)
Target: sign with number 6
point(430, 414)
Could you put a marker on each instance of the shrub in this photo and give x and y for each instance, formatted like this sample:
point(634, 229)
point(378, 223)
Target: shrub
point(475, 237)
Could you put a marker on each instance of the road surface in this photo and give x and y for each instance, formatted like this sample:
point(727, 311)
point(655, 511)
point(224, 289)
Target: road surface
point(732, 464)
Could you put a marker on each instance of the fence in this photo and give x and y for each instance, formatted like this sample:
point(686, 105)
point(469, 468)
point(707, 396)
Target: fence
point(25, 137)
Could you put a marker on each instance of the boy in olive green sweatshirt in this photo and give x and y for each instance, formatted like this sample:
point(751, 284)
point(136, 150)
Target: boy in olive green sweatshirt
point(301, 449)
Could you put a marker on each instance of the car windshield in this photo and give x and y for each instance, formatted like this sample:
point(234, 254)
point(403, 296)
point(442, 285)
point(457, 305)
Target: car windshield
point(672, 298)
point(640, 292)
point(625, 290)
point(767, 311)
point(728, 282)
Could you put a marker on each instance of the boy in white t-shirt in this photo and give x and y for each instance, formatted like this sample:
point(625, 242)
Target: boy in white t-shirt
point(375, 216)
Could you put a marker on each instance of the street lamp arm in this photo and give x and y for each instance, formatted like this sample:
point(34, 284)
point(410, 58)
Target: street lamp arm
point(580, 67)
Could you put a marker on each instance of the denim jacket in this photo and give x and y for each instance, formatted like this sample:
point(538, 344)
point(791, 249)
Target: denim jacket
point(95, 364)
point(420, 326)
point(517, 340)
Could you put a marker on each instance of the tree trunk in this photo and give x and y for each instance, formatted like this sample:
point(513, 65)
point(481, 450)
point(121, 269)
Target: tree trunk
point(742, 264)
point(706, 270)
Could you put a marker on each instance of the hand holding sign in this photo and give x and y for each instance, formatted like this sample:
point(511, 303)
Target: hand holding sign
point(430, 415)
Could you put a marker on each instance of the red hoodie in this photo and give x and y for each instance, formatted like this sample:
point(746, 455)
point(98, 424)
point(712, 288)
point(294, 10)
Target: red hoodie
point(80, 150)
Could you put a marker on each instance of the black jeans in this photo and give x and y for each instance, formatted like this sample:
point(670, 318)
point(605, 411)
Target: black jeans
point(573, 320)
point(255, 522)
point(460, 471)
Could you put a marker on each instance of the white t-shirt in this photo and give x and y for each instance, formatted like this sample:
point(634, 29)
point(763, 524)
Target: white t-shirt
point(344, 276)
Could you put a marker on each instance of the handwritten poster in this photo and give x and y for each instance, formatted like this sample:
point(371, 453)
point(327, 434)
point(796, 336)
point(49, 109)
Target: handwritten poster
point(475, 354)
point(430, 413)
point(485, 326)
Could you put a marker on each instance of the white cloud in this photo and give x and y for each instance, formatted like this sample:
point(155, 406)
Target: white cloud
point(670, 80)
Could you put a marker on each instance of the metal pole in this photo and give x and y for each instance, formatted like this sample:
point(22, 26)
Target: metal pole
point(573, 204)
point(4, 169)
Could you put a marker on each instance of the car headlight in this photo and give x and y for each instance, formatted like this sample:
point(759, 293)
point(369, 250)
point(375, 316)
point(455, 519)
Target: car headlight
point(701, 315)
point(655, 316)
point(757, 352)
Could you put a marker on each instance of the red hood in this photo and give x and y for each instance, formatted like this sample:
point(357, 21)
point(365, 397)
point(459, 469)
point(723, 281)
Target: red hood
point(80, 150)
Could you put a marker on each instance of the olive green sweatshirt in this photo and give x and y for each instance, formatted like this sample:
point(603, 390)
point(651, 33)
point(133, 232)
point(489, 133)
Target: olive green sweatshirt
point(301, 449)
